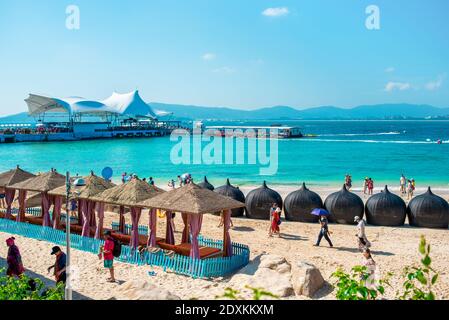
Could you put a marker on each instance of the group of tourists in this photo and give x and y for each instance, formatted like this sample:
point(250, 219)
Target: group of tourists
point(368, 186)
point(129, 177)
point(407, 186)
point(107, 252)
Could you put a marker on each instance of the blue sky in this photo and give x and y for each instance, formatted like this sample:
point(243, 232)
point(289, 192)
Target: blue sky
point(242, 54)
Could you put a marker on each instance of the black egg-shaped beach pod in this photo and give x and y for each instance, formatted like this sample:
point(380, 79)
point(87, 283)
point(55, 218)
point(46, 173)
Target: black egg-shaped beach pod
point(206, 185)
point(385, 209)
point(299, 204)
point(259, 201)
point(229, 190)
point(428, 210)
point(344, 206)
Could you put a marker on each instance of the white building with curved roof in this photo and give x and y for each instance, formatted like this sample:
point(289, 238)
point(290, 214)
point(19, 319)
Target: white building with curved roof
point(128, 104)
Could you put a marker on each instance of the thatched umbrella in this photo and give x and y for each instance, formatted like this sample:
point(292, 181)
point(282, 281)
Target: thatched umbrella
point(195, 201)
point(43, 183)
point(94, 185)
point(130, 195)
point(9, 178)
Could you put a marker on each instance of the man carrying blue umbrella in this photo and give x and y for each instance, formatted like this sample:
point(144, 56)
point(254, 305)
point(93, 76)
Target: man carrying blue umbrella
point(324, 231)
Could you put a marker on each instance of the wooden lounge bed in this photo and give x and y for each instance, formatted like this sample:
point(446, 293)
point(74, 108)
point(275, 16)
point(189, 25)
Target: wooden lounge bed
point(184, 249)
point(126, 239)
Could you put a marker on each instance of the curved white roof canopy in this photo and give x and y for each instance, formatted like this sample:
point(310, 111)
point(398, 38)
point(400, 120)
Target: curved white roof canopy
point(129, 104)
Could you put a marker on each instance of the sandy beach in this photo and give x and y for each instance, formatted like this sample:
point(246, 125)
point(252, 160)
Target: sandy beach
point(393, 248)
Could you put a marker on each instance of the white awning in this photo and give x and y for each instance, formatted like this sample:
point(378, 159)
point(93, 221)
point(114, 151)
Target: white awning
point(129, 104)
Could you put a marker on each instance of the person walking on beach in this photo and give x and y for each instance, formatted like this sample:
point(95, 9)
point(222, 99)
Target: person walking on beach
point(180, 181)
point(59, 266)
point(371, 268)
point(106, 252)
point(124, 177)
point(402, 182)
point(276, 222)
point(348, 182)
point(363, 242)
point(365, 185)
point(410, 189)
point(324, 232)
point(370, 186)
point(273, 209)
point(14, 259)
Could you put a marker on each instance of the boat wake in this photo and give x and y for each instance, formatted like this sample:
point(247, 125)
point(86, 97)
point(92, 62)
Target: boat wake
point(377, 141)
point(360, 134)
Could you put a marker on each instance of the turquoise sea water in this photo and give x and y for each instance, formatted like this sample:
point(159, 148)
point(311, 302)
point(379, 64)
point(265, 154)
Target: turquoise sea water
point(379, 149)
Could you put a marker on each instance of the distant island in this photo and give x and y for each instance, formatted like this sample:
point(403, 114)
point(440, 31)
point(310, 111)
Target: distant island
point(364, 112)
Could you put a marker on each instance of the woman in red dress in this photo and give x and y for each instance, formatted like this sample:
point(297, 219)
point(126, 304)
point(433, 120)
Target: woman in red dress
point(275, 221)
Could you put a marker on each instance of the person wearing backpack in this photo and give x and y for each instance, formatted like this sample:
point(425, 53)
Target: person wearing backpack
point(107, 252)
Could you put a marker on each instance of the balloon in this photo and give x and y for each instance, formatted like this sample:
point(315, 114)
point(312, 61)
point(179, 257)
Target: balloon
point(107, 173)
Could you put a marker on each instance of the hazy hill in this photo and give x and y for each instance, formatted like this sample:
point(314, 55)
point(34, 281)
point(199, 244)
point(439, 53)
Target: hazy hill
point(381, 111)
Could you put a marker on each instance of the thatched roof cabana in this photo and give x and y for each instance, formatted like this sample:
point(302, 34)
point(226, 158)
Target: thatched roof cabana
point(129, 194)
point(41, 183)
point(94, 186)
point(192, 199)
point(14, 176)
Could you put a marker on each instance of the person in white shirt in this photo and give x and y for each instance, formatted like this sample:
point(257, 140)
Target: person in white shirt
point(403, 182)
point(363, 242)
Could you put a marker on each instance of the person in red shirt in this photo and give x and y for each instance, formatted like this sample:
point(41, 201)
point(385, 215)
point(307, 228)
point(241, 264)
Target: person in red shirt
point(106, 252)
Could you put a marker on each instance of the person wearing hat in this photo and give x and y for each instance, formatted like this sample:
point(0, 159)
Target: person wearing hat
point(60, 265)
point(106, 252)
point(363, 242)
point(14, 259)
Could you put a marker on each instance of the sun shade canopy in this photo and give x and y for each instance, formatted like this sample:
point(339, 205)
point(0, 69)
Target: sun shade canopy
point(128, 104)
point(192, 199)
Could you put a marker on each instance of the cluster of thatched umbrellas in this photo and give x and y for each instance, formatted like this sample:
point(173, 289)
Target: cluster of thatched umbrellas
point(192, 201)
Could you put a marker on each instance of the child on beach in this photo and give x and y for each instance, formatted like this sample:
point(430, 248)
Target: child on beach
point(106, 252)
point(371, 269)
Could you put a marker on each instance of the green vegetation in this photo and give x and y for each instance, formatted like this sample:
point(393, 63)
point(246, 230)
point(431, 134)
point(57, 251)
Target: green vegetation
point(25, 288)
point(353, 286)
point(258, 294)
point(418, 281)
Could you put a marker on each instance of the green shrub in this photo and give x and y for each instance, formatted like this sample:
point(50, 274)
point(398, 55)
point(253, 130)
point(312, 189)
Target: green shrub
point(258, 293)
point(419, 281)
point(25, 288)
point(352, 286)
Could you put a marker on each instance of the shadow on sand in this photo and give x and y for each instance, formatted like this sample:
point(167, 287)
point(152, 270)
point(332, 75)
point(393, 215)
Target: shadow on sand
point(243, 229)
point(287, 236)
point(356, 250)
point(47, 281)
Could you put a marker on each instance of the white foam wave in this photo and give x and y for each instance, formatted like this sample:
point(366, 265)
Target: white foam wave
point(360, 134)
point(375, 141)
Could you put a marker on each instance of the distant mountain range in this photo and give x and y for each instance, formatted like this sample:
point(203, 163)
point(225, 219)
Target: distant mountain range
point(366, 112)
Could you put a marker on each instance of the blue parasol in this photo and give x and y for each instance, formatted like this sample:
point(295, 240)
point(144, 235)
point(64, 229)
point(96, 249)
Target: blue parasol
point(320, 212)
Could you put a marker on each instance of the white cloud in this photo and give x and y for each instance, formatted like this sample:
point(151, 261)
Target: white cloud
point(434, 85)
point(389, 69)
point(224, 70)
point(401, 86)
point(209, 56)
point(276, 12)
